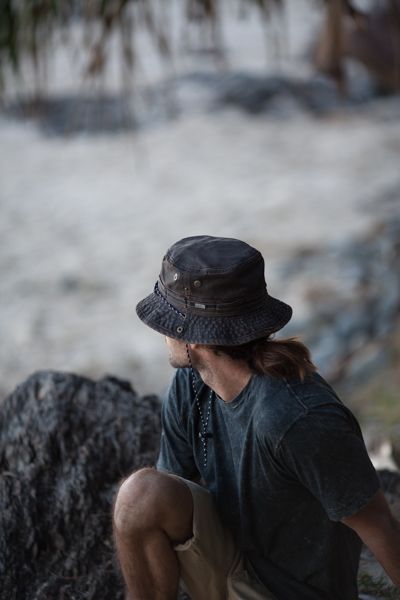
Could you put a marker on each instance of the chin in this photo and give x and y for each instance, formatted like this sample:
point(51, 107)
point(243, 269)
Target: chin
point(178, 364)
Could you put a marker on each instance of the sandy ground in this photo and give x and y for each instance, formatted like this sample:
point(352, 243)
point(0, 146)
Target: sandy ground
point(85, 220)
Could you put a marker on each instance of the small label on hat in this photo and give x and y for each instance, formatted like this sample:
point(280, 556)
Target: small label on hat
point(197, 305)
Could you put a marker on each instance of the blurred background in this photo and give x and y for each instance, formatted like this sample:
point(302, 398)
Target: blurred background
point(128, 124)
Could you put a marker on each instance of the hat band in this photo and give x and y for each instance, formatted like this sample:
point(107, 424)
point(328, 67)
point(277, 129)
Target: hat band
point(163, 298)
point(198, 307)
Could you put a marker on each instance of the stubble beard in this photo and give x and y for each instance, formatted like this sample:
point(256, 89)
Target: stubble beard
point(180, 361)
point(178, 364)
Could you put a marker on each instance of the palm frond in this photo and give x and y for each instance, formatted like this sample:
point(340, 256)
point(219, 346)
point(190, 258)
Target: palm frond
point(27, 26)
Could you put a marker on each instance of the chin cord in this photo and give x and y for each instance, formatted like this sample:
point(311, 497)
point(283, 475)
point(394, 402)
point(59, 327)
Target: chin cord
point(203, 434)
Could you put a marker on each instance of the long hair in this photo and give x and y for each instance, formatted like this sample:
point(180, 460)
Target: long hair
point(287, 358)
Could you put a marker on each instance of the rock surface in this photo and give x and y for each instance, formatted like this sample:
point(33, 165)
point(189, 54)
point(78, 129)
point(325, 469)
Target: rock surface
point(65, 443)
point(353, 292)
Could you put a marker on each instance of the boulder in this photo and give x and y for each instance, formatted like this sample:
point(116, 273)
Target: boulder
point(65, 443)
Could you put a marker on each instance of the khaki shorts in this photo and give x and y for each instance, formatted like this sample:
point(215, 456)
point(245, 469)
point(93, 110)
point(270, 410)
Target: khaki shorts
point(211, 566)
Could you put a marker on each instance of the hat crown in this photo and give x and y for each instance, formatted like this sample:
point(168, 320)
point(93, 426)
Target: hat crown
point(205, 273)
point(205, 252)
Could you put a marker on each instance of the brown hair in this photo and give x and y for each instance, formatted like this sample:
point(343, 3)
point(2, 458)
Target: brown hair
point(288, 358)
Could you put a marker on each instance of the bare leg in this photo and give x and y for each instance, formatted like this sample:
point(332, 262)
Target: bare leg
point(153, 511)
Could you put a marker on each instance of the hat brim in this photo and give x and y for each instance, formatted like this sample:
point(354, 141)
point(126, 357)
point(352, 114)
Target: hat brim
point(219, 330)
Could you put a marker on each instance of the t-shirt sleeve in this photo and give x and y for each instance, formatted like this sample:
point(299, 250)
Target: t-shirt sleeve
point(325, 452)
point(176, 455)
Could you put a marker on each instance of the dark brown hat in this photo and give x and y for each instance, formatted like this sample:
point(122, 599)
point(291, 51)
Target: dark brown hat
point(212, 290)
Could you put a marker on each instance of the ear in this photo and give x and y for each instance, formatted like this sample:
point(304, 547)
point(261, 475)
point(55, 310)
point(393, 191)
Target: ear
point(201, 350)
point(195, 346)
point(199, 347)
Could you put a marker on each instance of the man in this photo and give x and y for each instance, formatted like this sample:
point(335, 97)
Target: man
point(263, 488)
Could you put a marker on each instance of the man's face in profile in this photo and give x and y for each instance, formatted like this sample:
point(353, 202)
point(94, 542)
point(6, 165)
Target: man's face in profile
point(177, 353)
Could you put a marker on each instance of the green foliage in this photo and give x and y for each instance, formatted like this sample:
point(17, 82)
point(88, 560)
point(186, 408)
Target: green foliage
point(384, 407)
point(377, 401)
point(26, 27)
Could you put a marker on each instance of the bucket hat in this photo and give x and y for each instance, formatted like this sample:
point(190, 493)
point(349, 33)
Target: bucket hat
point(212, 290)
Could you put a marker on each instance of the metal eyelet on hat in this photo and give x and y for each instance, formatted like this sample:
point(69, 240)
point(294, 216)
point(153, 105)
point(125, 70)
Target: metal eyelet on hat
point(179, 329)
point(197, 283)
point(176, 276)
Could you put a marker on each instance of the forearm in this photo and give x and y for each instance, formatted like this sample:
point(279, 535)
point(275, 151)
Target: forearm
point(380, 531)
point(385, 545)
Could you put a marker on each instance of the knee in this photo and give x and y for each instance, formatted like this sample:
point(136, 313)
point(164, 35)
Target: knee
point(135, 499)
point(148, 500)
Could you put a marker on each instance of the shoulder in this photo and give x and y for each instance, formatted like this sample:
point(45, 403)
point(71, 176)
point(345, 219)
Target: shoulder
point(281, 404)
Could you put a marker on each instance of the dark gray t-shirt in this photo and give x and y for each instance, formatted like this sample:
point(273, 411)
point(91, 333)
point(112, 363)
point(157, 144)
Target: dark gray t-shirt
point(286, 462)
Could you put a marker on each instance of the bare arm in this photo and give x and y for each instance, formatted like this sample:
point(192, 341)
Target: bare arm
point(380, 531)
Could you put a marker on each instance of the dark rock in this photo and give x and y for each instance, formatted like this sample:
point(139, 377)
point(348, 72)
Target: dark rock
point(65, 443)
point(325, 347)
point(259, 95)
point(370, 359)
point(71, 115)
point(354, 299)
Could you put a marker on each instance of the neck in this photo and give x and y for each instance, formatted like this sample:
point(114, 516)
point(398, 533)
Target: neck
point(227, 378)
